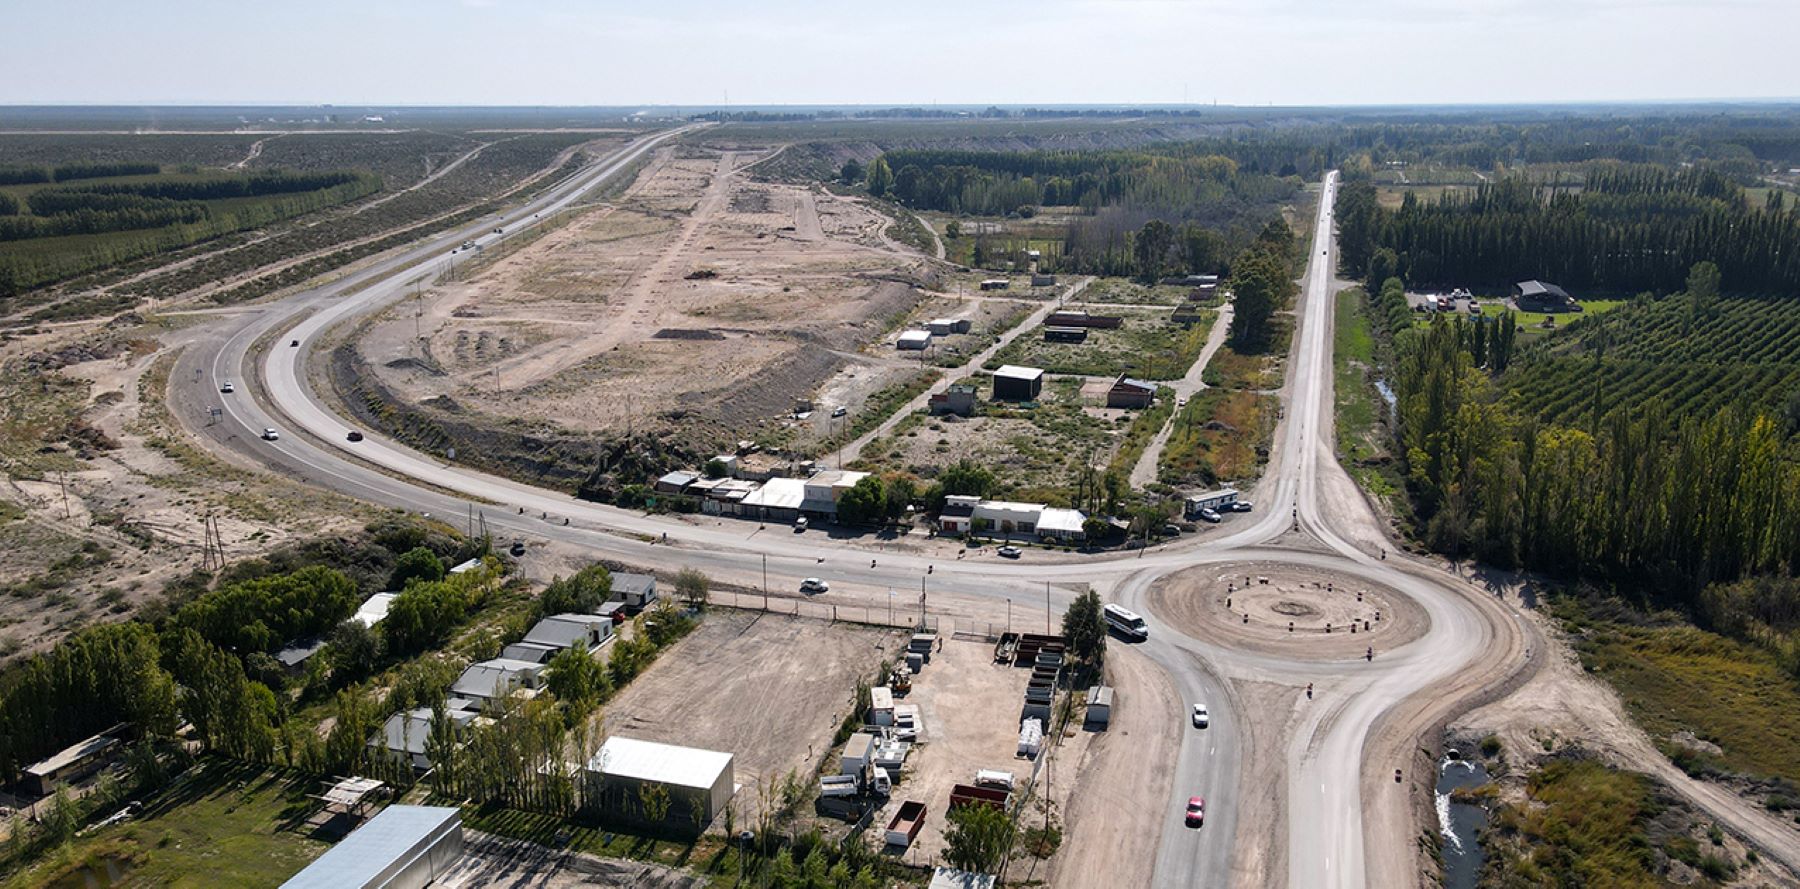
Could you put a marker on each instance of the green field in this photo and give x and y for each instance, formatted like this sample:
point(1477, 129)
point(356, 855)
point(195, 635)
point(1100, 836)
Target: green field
point(1673, 677)
point(1146, 346)
point(1361, 436)
point(220, 824)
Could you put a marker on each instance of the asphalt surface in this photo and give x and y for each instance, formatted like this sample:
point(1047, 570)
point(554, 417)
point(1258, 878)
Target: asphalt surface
point(1294, 524)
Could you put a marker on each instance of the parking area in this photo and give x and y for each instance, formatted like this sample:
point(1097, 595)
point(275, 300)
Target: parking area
point(970, 709)
point(768, 689)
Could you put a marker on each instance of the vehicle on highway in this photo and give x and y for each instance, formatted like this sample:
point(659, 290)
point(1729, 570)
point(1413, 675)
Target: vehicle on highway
point(1196, 811)
point(293, 342)
point(354, 435)
point(1210, 514)
point(839, 411)
point(227, 387)
point(1011, 552)
point(271, 435)
point(800, 524)
point(1125, 622)
point(1201, 718)
point(814, 585)
point(468, 245)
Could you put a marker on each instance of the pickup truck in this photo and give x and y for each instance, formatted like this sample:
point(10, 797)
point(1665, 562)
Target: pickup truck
point(905, 824)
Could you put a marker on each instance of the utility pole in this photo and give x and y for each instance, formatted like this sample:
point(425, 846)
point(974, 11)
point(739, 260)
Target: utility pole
point(765, 559)
point(1046, 607)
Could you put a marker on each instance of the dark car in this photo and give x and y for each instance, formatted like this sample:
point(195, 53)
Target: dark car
point(1196, 811)
point(354, 435)
point(293, 342)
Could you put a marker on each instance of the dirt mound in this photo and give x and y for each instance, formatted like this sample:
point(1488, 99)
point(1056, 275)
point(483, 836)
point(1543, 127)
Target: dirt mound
point(676, 333)
point(410, 363)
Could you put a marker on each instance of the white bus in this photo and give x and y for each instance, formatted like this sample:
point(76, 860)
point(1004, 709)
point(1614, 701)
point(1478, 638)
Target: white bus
point(1128, 623)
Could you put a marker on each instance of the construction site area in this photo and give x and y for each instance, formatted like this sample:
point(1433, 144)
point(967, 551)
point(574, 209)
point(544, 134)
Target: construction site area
point(700, 301)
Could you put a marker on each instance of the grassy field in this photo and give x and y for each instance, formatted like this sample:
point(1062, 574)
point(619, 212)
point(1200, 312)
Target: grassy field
point(1531, 324)
point(1127, 291)
point(220, 824)
point(1146, 346)
point(1674, 678)
point(1588, 825)
point(1361, 436)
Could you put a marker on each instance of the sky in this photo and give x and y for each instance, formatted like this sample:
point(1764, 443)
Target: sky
point(915, 52)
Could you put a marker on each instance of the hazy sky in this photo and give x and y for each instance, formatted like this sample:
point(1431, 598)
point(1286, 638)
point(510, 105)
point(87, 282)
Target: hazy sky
point(588, 52)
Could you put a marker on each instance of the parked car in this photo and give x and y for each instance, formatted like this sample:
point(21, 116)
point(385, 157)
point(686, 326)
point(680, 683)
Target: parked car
point(814, 585)
point(1011, 552)
point(839, 411)
point(1201, 718)
point(271, 435)
point(800, 524)
point(1196, 811)
point(1210, 514)
point(227, 387)
point(1242, 506)
point(1171, 530)
point(518, 548)
point(354, 435)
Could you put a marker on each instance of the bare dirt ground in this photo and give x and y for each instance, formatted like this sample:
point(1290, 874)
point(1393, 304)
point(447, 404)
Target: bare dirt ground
point(1213, 603)
point(1114, 824)
point(102, 495)
point(769, 690)
point(700, 298)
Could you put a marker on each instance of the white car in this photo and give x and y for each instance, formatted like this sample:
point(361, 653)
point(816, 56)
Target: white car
point(270, 434)
point(1010, 552)
point(1201, 718)
point(1211, 515)
point(227, 388)
point(814, 585)
point(800, 524)
point(839, 411)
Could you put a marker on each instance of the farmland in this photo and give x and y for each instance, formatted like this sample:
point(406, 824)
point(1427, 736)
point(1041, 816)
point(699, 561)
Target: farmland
point(1740, 351)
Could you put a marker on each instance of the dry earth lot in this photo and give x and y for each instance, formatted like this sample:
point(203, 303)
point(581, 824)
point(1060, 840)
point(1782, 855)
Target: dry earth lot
point(700, 299)
point(769, 690)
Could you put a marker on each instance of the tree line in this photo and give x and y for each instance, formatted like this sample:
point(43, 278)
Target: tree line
point(68, 172)
point(22, 268)
point(1629, 229)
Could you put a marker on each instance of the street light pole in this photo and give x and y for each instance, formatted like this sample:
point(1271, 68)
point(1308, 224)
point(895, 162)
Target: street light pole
point(765, 559)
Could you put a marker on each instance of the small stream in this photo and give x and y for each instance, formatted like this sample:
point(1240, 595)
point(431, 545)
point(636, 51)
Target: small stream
point(1387, 395)
point(1461, 824)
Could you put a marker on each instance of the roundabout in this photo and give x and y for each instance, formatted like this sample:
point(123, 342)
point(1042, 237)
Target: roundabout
point(1299, 612)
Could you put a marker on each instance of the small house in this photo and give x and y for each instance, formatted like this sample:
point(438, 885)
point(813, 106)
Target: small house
point(957, 399)
point(699, 782)
point(405, 735)
point(583, 631)
point(637, 591)
point(488, 682)
point(675, 482)
point(1211, 500)
point(995, 284)
point(1099, 705)
point(913, 340)
point(1080, 318)
point(1043, 280)
point(1130, 393)
point(1541, 296)
point(77, 761)
point(1065, 334)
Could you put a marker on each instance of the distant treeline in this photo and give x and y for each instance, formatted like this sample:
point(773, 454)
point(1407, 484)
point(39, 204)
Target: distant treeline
point(143, 218)
point(67, 172)
point(1626, 229)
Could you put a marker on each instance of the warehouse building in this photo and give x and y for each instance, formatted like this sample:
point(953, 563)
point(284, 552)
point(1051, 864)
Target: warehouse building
point(1129, 393)
point(699, 782)
point(403, 847)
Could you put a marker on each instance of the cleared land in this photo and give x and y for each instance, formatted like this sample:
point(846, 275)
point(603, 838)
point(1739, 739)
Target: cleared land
point(769, 690)
point(1035, 451)
point(701, 304)
point(1147, 346)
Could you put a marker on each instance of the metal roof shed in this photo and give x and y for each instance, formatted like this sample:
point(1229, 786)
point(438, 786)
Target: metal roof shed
point(403, 846)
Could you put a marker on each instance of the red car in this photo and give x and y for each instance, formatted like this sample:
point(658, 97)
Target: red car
point(1196, 811)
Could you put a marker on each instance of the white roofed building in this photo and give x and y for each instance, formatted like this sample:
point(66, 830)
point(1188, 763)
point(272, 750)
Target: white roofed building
point(698, 781)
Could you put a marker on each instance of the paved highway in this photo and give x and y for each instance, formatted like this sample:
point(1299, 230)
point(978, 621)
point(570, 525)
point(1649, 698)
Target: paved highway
point(1325, 836)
